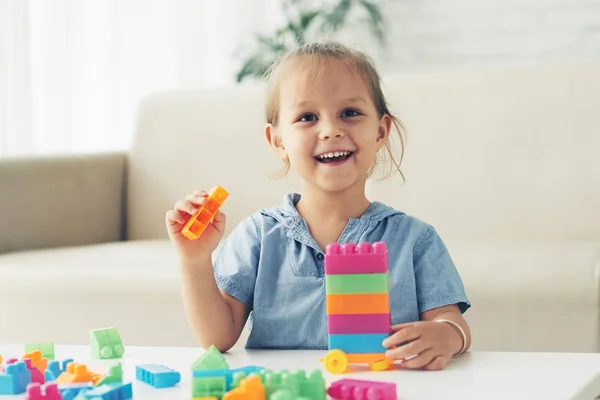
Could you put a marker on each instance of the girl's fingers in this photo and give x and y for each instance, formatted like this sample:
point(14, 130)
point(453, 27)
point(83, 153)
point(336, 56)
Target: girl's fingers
point(419, 361)
point(175, 217)
point(437, 364)
point(409, 350)
point(196, 199)
point(402, 336)
point(185, 207)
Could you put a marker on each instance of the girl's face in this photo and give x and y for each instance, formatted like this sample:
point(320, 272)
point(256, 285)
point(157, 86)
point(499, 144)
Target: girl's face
point(328, 127)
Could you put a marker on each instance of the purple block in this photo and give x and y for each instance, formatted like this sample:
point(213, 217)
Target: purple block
point(358, 323)
point(357, 389)
point(352, 259)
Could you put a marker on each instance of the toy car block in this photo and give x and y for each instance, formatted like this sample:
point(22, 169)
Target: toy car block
point(357, 389)
point(157, 376)
point(200, 220)
point(15, 378)
point(106, 343)
point(358, 323)
point(71, 391)
point(211, 359)
point(232, 376)
point(358, 343)
point(357, 283)
point(47, 349)
point(250, 388)
point(377, 303)
point(208, 387)
point(114, 375)
point(36, 375)
point(37, 360)
point(352, 259)
point(35, 391)
point(109, 391)
point(77, 373)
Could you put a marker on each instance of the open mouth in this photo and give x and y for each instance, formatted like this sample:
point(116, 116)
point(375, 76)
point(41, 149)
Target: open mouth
point(334, 157)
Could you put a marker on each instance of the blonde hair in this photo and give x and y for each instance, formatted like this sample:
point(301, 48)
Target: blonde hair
point(319, 53)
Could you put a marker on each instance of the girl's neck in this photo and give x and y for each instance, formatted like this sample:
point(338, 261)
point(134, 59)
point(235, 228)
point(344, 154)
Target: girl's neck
point(318, 205)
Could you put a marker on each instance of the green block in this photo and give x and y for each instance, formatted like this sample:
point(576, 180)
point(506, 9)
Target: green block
point(106, 343)
point(280, 380)
point(47, 349)
point(313, 386)
point(211, 359)
point(299, 387)
point(357, 283)
point(114, 374)
point(208, 387)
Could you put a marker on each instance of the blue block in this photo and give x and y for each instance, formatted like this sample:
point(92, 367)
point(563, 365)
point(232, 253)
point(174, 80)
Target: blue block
point(109, 391)
point(54, 369)
point(227, 373)
point(15, 378)
point(358, 343)
point(156, 375)
point(70, 390)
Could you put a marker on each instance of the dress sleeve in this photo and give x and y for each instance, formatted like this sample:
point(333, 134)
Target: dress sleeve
point(437, 280)
point(236, 264)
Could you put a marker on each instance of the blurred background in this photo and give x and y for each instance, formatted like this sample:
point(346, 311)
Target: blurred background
point(72, 72)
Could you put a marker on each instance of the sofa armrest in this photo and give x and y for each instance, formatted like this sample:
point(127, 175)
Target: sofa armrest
point(56, 201)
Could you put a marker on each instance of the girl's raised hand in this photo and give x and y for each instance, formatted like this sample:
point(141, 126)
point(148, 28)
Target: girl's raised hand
point(194, 251)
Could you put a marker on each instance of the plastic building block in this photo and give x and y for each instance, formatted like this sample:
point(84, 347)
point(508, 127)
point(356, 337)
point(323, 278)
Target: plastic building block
point(357, 283)
point(211, 359)
point(114, 375)
point(358, 323)
point(232, 376)
point(356, 389)
point(36, 375)
point(109, 391)
point(352, 259)
point(298, 383)
point(312, 387)
point(199, 221)
point(0, 358)
point(106, 343)
point(49, 392)
point(71, 391)
point(15, 378)
point(377, 303)
point(208, 387)
point(157, 376)
point(47, 349)
point(250, 388)
point(77, 373)
point(37, 360)
point(358, 308)
point(54, 369)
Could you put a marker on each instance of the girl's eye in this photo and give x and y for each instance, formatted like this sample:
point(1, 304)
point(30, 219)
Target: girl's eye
point(307, 118)
point(350, 113)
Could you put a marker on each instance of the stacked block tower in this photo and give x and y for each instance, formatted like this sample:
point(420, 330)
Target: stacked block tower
point(358, 309)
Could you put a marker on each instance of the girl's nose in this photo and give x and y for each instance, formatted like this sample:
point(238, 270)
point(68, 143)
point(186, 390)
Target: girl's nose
point(331, 131)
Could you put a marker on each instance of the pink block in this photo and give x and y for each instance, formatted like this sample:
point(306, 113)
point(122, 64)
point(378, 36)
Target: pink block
point(358, 323)
point(34, 392)
point(36, 375)
point(357, 389)
point(352, 259)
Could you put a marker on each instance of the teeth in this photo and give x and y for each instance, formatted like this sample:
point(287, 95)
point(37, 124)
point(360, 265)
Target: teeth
point(333, 154)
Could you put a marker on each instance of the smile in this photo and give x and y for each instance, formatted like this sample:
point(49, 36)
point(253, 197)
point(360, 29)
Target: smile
point(334, 156)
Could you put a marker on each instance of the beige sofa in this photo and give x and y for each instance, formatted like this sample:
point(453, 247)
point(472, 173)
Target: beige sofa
point(504, 163)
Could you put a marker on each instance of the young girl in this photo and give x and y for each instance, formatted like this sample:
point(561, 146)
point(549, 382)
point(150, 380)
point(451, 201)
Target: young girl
point(327, 118)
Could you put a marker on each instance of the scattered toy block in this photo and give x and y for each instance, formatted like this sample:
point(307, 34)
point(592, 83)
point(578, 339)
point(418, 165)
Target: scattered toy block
point(250, 388)
point(109, 391)
point(54, 369)
point(106, 343)
point(114, 375)
point(358, 323)
point(356, 389)
point(47, 349)
point(157, 376)
point(37, 360)
point(200, 220)
point(311, 385)
point(77, 373)
point(352, 259)
point(15, 378)
point(208, 387)
point(211, 359)
point(232, 376)
point(50, 392)
point(36, 375)
point(72, 390)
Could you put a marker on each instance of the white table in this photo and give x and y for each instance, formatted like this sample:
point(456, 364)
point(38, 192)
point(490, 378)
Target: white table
point(477, 375)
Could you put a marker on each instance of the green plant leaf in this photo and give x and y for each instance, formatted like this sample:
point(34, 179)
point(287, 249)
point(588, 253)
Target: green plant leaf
point(376, 19)
point(333, 20)
point(255, 67)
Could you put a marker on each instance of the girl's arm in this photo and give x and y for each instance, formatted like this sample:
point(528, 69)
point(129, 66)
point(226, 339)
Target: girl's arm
point(452, 313)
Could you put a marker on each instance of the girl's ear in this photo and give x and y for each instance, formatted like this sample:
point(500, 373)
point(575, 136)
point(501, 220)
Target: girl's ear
point(383, 132)
point(274, 141)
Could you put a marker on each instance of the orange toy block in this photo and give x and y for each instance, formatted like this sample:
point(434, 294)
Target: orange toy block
point(77, 373)
point(37, 360)
point(199, 221)
point(250, 388)
point(377, 303)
